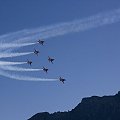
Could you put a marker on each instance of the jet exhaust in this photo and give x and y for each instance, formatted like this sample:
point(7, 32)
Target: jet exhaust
point(24, 78)
point(21, 69)
point(5, 55)
point(59, 29)
point(74, 26)
point(30, 37)
point(11, 63)
point(14, 45)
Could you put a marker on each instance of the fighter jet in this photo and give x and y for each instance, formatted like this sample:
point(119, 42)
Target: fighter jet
point(36, 52)
point(62, 80)
point(45, 69)
point(50, 59)
point(29, 62)
point(41, 42)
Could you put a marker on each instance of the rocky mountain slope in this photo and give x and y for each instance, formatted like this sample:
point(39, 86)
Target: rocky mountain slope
point(91, 108)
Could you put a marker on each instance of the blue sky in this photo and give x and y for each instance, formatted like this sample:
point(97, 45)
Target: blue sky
point(89, 60)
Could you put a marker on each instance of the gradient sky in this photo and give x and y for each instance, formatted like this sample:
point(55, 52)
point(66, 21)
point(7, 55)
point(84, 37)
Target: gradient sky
point(89, 60)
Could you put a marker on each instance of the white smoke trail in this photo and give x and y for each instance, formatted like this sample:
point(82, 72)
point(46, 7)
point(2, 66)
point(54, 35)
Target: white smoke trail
point(33, 35)
point(14, 45)
point(15, 68)
point(13, 35)
point(24, 78)
point(25, 33)
point(22, 37)
point(11, 63)
point(74, 26)
point(5, 55)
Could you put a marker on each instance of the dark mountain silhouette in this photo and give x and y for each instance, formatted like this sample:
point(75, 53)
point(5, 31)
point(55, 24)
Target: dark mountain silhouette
point(91, 108)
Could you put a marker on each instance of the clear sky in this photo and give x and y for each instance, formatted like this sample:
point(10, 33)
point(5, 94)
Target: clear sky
point(89, 60)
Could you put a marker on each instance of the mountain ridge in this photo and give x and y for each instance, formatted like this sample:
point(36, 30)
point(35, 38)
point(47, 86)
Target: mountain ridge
point(90, 108)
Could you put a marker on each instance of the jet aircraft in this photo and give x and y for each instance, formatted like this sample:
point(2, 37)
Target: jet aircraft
point(29, 62)
point(36, 52)
point(62, 80)
point(41, 42)
point(45, 69)
point(50, 59)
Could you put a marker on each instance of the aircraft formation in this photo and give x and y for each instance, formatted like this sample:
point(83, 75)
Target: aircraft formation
point(50, 60)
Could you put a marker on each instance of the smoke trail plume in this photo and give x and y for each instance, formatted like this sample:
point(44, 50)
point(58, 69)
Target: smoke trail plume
point(15, 68)
point(25, 37)
point(11, 63)
point(14, 45)
point(74, 26)
point(5, 55)
point(24, 78)
point(33, 35)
